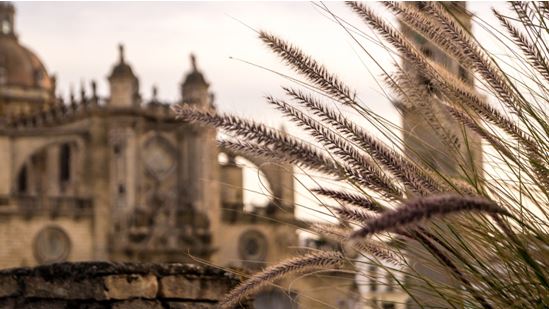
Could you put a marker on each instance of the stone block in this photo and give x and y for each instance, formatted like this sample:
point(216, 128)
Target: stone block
point(8, 303)
point(8, 286)
point(131, 286)
point(64, 289)
point(191, 305)
point(137, 304)
point(181, 287)
point(88, 305)
point(45, 304)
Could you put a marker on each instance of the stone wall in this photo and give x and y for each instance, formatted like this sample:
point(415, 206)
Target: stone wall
point(18, 236)
point(102, 285)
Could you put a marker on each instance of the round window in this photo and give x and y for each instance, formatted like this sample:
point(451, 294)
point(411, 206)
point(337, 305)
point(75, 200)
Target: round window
point(51, 245)
point(252, 246)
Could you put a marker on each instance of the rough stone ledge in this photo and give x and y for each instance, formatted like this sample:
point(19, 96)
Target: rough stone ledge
point(83, 270)
point(114, 285)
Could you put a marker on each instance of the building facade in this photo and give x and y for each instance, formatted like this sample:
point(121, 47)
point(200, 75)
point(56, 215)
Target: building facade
point(119, 178)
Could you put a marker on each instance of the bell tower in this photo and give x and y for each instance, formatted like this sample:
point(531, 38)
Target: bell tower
point(194, 89)
point(124, 85)
point(431, 136)
point(434, 139)
point(199, 177)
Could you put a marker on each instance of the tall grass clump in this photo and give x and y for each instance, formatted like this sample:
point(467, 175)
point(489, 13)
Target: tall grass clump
point(483, 228)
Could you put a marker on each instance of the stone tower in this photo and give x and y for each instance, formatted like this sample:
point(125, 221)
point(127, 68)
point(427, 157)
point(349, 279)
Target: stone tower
point(436, 140)
point(429, 131)
point(124, 85)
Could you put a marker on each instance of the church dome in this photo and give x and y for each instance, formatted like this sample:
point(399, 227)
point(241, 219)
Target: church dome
point(21, 67)
point(195, 77)
point(122, 70)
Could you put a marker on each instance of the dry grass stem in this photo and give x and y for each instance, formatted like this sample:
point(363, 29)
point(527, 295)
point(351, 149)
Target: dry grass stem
point(350, 198)
point(326, 260)
point(417, 210)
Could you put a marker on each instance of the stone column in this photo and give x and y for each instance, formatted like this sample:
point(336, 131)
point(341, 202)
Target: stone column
point(97, 168)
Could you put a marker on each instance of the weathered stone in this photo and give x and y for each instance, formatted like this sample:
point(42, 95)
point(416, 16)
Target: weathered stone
point(193, 305)
point(130, 286)
point(88, 305)
point(39, 287)
point(115, 286)
point(8, 286)
point(137, 304)
point(44, 304)
point(7, 303)
point(192, 288)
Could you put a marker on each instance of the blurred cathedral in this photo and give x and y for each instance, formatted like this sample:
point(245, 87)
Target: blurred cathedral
point(119, 178)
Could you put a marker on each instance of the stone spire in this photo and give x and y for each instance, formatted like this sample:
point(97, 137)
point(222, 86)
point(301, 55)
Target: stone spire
point(195, 77)
point(121, 53)
point(124, 85)
point(194, 89)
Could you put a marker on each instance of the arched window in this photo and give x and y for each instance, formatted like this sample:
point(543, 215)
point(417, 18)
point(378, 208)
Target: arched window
point(65, 163)
point(22, 180)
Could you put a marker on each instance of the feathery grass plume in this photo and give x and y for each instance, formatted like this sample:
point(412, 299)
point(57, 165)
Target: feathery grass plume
point(490, 138)
point(374, 248)
point(417, 97)
point(311, 158)
point(416, 210)
point(411, 175)
point(310, 68)
point(530, 50)
point(354, 214)
point(438, 74)
point(253, 132)
point(457, 89)
point(262, 135)
point(481, 61)
point(350, 198)
point(332, 231)
point(340, 147)
point(427, 27)
point(495, 263)
point(502, 87)
point(305, 156)
point(324, 260)
point(443, 80)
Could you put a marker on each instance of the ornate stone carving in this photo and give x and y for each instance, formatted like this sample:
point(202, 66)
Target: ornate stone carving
point(159, 158)
point(252, 248)
point(51, 245)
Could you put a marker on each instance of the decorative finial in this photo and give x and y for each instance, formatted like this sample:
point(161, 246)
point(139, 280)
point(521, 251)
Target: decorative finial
point(94, 89)
point(82, 91)
point(193, 62)
point(154, 93)
point(71, 94)
point(121, 52)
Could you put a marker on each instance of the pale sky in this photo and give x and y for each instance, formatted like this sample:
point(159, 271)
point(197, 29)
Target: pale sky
point(78, 42)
